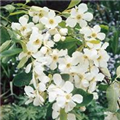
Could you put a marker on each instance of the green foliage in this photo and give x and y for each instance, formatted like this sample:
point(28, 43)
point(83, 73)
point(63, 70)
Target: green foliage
point(9, 8)
point(95, 111)
point(112, 100)
point(118, 114)
point(87, 98)
point(63, 115)
point(115, 41)
point(4, 35)
point(22, 79)
point(70, 43)
point(10, 52)
point(65, 77)
point(73, 3)
point(30, 112)
point(5, 45)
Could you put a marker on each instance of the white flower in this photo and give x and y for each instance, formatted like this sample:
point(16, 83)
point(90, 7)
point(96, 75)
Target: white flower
point(55, 57)
point(51, 21)
point(92, 33)
point(47, 41)
point(34, 96)
point(28, 53)
point(54, 90)
point(67, 100)
point(35, 40)
point(57, 37)
point(66, 64)
point(37, 13)
point(102, 59)
point(56, 113)
point(23, 26)
point(79, 15)
point(63, 31)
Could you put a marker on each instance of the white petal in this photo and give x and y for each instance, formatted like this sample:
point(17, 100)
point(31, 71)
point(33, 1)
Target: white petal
point(28, 101)
point(15, 26)
point(61, 101)
point(101, 36)
point(86, 31)
point(55, 114)
point(69, 106)
point(73, 12)
point(35, 19)
point(85, 83)
point(45, 79)
point(63, 31)
point(71, 22)
point(99, 77)
point(77, 98)
point(29, 90)
point(23, 20)
point(57, 37)
point(82, 8)
point(71, 116)
point(53, 66)
point(51, 13)
point(42, 87)
point(57, 79)
point(44, 20)
point(92, 86)
point(58, 19)
point(63, 52)
point(105, 45)
point(36, 102)
point(28, 68)
point(52, 96)
point(68, 87)
point(96, 28)
point(55, 107)
point(88, 16)
point(82, 23)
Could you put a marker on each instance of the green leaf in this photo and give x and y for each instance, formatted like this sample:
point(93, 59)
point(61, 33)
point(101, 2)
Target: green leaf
point(18, 12)
point(65, 77)
point(63, 115)
point(10, 52)
point(5, 45)
point(13, 35)
point(22, 62)
point(118, 114)
point(112, 97)
point(22, 79)
point(4, 34)
point(73, 3)
point(118, 71)
point(9, 8)
point(27, 1)
point(87, 98)
point(70, 43)
point(115, 41)
point(103, 87)
point(49, 112)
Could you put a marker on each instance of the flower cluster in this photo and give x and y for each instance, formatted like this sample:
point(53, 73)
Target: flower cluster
point(49, 65)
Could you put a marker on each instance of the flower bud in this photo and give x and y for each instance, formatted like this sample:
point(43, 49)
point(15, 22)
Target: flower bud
point(63, 31)
point(57, 37)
